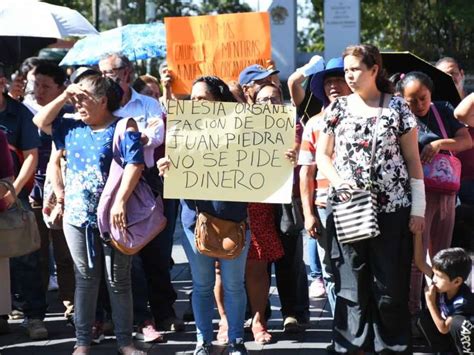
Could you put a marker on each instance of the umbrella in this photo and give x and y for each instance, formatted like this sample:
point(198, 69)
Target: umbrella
point(27, 26)
point(404, 62)
point(135, 41)
point(39, 19)
point(16, 49)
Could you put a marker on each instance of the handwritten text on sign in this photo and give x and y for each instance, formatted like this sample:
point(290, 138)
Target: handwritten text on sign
point(229, 151)
point(219, 45)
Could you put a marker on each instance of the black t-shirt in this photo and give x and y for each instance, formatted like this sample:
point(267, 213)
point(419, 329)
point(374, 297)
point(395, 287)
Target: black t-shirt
point(429, 130)
point(461, 304)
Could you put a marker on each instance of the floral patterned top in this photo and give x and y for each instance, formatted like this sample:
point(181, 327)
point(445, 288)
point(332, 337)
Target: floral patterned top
point(353, 149)
point(88, 159)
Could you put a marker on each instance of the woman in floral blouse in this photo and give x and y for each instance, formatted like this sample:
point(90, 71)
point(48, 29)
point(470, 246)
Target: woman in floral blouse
point(372, 300)
point(87, 142)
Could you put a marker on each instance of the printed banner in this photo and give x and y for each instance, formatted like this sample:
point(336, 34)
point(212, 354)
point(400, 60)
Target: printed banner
point(220, 45)
point(229, 151)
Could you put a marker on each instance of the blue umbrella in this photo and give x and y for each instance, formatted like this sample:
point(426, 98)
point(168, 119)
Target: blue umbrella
point(135, 41)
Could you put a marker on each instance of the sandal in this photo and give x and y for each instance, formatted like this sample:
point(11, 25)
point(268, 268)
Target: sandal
point(261, 335)
point(222, 334)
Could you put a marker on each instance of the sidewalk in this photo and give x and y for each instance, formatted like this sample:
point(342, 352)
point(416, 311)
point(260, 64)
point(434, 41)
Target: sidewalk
point(61, 337)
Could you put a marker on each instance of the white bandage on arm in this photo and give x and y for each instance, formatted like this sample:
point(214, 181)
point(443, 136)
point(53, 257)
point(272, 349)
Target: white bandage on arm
point(418, 199)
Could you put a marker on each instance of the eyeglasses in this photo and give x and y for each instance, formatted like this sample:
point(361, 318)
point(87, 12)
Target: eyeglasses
point(112, 72)
point(271, 99)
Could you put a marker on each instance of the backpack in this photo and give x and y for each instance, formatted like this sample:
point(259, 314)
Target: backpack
point(145, 218)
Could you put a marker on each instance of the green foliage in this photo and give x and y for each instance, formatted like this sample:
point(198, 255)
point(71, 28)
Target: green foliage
point(207, 7)
point(82, 6)
point(429, 28)
point(311, 38)
point(214, 7)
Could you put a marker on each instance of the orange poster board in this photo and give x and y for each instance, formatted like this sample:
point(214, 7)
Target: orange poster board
point(220, 45)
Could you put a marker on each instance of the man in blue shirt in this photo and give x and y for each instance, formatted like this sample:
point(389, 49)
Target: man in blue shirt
point(23, 139)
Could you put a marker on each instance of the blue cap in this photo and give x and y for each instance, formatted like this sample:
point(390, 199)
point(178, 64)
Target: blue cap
point(334, 66)
point(254, 72)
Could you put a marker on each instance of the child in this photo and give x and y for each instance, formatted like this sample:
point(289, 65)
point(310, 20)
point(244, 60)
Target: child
point(449, 300)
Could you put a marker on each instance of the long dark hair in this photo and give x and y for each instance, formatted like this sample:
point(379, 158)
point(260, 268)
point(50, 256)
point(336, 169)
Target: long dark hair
point(370, 56)
point(424, 79)
point(217, 88)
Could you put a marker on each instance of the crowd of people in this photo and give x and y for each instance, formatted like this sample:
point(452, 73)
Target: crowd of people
point(356, 130)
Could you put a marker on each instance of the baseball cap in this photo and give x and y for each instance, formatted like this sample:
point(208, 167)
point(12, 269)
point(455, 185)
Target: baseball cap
point(255, 72)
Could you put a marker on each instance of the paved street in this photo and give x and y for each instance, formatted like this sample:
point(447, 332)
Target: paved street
point(313, 341)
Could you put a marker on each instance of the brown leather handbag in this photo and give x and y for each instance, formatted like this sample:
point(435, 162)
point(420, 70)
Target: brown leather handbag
point(219, 238)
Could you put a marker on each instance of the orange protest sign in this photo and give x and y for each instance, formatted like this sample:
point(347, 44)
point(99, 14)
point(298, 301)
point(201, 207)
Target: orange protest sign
point(220, 45)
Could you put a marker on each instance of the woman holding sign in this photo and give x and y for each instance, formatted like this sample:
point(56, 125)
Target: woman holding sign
point(369, 144)
point(203, 268)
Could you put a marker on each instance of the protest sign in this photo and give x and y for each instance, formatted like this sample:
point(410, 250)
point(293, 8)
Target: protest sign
point(229, 151)
point(220, 45)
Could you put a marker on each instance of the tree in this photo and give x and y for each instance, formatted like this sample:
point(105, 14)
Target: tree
point(214, 7)
point(82, 6)
point(429, 28)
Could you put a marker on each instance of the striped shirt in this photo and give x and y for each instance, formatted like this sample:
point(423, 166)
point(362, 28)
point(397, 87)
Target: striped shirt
point(307, 156)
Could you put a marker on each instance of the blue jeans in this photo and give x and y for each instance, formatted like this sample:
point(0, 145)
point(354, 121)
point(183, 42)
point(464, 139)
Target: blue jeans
point(324, 247)
point(151, 279)
point(313, 258)
point(27, 290)
point(117, 276)
point(203, 273)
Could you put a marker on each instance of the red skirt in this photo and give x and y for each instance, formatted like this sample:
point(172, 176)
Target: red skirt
point(265, 243)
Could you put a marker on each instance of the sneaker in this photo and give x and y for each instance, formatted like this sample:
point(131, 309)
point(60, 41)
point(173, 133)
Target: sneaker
point(97, 332)
point(148, 334)
point(203, 349)
point(4, 327)
point(171, 324)
point(36, 329)
point(16, 314)
point(317, 289)
point(291, 325)
point(237, 347)
point(53, 283)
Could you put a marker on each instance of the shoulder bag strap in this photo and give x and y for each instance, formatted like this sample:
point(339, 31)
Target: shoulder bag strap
point(374, 133)
point(120, 128)
point(440, 123)
point(11, 188)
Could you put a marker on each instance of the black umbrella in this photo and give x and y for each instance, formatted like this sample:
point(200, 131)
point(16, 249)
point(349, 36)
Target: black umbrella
point(13, 50)
point(404, 62)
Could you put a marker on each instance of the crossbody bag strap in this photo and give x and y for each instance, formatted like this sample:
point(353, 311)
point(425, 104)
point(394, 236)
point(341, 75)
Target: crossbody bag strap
point(440, 123)
point(374, 133)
